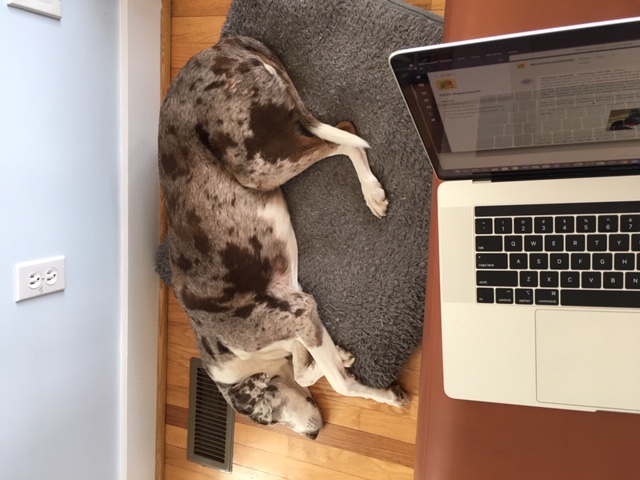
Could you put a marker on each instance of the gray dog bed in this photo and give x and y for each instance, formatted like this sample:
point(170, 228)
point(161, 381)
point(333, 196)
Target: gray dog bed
point(367, 275)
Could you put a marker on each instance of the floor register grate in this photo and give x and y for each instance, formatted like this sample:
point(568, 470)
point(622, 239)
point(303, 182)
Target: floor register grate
point(211, 421)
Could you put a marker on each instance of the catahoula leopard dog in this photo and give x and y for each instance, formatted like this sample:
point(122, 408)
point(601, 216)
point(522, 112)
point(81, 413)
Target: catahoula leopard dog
point(232, 130)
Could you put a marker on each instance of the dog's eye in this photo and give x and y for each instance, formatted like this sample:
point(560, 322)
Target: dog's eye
point(311, 401)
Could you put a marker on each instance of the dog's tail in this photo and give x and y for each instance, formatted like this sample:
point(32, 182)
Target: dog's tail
point(335, 135)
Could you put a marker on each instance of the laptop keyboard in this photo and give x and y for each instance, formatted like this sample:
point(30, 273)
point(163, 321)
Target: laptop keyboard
point(582, 254)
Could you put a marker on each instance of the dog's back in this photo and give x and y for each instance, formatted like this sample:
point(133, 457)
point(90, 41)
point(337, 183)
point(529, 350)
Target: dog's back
point(226, 255)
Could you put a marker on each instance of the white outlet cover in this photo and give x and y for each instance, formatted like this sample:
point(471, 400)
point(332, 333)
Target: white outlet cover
point(23, 271)
point(50, 8)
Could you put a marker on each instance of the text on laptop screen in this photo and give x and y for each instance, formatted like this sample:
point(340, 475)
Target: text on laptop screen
point(555, 100)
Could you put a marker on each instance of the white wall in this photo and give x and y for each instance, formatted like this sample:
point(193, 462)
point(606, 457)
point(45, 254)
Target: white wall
point(140, 66)
point(77, 369)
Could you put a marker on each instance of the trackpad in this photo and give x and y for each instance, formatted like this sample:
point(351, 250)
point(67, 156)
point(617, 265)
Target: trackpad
point(589, 359)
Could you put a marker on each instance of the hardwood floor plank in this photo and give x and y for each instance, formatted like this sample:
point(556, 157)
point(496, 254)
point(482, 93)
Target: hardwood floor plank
point(177, 374)
point(189, 35)
point(179, 473)
point(178, 396)
point(338, 413)
point(356, 441)
point(263, 439)
point(286, 467)
point(182, 54)
point(176, 436)
point(435, 6)
point(200, 8)
point(413, 363)
point(177, 416)
point(397, 427)
point(190, 30)
point(176, 458)
point(367, 444)
point(346, 461)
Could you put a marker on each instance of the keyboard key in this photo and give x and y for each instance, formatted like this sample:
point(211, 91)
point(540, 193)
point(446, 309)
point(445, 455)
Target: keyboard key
point(630, 223)
point(564, 224)
point(623, 261)
point(543, 224)
point(528, 279)
point(596, 243)
point(513, 243)
point(548, 279)
point(524, 296)
point(580, 261)
point(488, 244)
point(497, 261)
point(559, 261)
point(602, 261)
point(586, 223)
point(632, 281)
point(600, 298)
point(504, 295)
point(575, 243)
point(546, 296)
point(523, 225)
point(619, 242)
point(518, 261)
point(539, 261)
point(608, 223)
point(612, 280)
point(591, 279)
point(484, 295)
point(496, 278)
point(484, 226)
point(553, 243)
point(635, 243)
point(533, 243)
point(570, 279)
point(503, 225)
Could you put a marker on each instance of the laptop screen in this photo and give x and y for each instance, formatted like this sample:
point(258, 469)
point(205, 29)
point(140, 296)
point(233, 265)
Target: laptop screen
point(557, 102)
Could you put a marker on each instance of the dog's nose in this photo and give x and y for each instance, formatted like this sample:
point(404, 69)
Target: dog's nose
point(313, 435)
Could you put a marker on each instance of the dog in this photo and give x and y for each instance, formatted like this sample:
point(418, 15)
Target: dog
point(232, 130)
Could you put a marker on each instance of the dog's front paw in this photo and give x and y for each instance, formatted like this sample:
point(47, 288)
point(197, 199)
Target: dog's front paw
point(399, 398)
point(376, 198)
point(346, 357)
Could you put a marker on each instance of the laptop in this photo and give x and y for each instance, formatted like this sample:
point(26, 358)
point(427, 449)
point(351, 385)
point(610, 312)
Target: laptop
point(537, 138)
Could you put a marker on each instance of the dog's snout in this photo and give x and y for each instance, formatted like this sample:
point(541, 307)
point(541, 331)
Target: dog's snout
point(313, 435)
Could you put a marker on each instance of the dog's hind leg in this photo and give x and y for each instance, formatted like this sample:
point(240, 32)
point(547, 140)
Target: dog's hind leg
point(330, 360)
point(372, 191)
point(305, 369)
point(276, 159)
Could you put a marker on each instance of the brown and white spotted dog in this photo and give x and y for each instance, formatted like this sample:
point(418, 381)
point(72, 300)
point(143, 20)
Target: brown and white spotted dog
point(232, 130)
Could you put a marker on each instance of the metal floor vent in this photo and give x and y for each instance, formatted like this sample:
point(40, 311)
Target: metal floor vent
point(211, 421)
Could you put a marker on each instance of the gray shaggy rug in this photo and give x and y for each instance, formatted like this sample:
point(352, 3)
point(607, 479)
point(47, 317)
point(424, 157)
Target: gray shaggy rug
point(367, 275)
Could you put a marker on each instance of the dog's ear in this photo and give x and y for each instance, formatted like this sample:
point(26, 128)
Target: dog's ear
point(256, 397)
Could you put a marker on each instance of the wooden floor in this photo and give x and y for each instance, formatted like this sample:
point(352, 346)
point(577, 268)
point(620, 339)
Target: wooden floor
point(361, 439)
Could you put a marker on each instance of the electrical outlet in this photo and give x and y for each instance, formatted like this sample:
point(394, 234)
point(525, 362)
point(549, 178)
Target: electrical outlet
point(50, 8)
point(39, 277)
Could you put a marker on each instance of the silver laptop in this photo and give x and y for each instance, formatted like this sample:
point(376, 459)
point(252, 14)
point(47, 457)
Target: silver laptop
point(538, 138)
